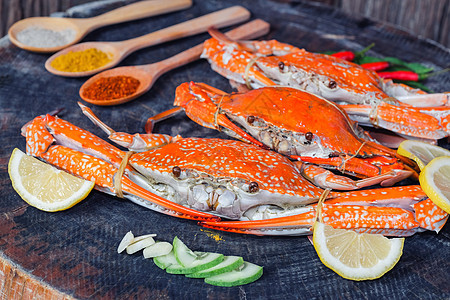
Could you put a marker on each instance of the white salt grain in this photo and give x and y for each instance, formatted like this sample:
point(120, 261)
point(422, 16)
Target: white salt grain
point(42, 38)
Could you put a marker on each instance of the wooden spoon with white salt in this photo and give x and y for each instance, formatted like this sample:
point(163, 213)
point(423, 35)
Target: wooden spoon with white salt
point(63, 32)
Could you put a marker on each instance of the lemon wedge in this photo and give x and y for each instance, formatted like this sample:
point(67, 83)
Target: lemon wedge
point(356, 256)
point(43, 186)
point(434, 180)
point(422, 153)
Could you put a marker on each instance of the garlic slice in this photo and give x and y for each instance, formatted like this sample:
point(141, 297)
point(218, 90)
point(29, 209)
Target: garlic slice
point(158, 249)
point(126, 241)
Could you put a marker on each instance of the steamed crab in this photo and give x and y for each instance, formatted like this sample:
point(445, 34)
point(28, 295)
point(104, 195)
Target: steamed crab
point(366, 98)
point(204, 178)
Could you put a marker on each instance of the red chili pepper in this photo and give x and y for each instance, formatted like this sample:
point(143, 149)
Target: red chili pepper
point(347, 55)
point(402, 75)
point(376, 66)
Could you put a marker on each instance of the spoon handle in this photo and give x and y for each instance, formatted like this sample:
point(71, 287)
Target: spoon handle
point(249, 30)
point(133, 11)
point(221, 18)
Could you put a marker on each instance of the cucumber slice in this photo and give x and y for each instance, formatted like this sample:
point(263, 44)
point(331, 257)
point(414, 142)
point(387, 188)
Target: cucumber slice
point(169, 263)
point(203, 261)
point(166, 261)
point(228, 264)
point(244, 274)
point(183, 254)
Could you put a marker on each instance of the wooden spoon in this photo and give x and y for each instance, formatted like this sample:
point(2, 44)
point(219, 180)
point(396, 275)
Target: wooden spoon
point(119, 50)
point(81, 27)
point(148, 74)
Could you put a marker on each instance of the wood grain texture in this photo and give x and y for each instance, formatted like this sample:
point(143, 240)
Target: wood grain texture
point(427, 18)
point(74, 251)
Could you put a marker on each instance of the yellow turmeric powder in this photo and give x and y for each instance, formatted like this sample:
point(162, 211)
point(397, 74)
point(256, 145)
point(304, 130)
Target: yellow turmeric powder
point(81, 61)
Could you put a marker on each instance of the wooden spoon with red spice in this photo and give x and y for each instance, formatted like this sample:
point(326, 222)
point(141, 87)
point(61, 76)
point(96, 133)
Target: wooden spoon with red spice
point(117, 51)
point(102, 89)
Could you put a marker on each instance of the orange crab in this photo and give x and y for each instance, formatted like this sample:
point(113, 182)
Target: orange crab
point(198, 179)
point(366, 98)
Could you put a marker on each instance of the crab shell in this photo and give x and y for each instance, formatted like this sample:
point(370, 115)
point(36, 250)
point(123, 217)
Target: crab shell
point(224, 177)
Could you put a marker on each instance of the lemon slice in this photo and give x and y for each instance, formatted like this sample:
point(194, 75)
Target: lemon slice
point(422, 153)
point(434, 180)
point(356, 256)
point(43, 186)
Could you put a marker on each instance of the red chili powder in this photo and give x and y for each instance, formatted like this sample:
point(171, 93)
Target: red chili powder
point(109, 88)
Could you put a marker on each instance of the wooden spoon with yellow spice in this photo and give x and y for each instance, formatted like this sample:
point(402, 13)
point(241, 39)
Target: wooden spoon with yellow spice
point(111, 53)
point(123, 84)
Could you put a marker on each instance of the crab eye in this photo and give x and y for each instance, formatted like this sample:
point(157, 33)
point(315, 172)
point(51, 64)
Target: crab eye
point(309, 136)
point(176, 171)
point(253, 187)
point(281, 65)
point(251, 119)
point(332, 84)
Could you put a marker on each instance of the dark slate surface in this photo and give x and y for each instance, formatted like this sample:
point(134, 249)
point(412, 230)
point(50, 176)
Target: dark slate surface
point(75, 250)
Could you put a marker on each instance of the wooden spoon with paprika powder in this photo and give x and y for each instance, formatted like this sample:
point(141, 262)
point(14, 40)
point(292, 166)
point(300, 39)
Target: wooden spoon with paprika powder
point(82, 26)
point(102, 89)
point(116, 51)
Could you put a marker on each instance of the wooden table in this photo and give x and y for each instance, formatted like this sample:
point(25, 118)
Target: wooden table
point(73, 253)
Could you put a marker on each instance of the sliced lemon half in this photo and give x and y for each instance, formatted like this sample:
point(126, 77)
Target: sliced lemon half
point(43, 186)
point(356, 256)
point(435, 181)
point(422, 153)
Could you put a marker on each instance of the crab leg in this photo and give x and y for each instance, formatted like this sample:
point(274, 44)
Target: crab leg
point(414, 97)
point(378, 213)
point(380, 219)
point(161, 117)
point(403, 120)
point(93, 168)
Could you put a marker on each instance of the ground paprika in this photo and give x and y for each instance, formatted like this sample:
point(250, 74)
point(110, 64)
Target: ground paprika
point(110, 88)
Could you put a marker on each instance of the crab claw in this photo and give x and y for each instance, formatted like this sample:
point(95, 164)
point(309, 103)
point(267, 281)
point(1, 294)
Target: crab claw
point(327, 179)
point(196, 99)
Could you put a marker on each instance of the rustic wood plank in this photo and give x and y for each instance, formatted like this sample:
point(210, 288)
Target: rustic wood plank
point(444, 34)
point(427, 18)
